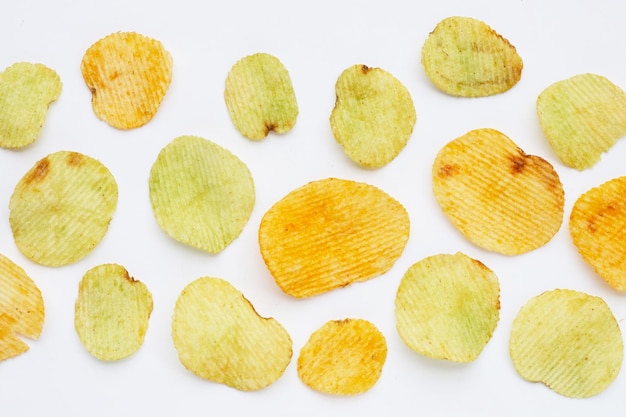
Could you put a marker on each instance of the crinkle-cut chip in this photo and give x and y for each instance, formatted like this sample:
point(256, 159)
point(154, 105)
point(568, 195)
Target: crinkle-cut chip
point(465, 57)
point(259, 96)
point(343, 357)
point(220, 337)
point(582, 117)
point(373, 117)
point(331, 233)
point(128, 75)
point(202, 195)
point(61, 208)
point(111, 313)
point(568, 340)
point(447, 307)
point(498, 197)
point(26, 91)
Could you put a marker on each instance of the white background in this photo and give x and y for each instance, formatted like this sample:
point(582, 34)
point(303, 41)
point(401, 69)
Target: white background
point(315, 40)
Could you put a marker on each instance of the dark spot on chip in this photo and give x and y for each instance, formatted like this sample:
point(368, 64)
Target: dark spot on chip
point(518, 163)
point(39, 172)
point(448, 170)
point(365, 69)
point(75, 159)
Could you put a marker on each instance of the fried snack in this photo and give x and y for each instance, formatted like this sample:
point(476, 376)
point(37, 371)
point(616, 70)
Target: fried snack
point(21, 309)
point(343, 357)
point(465, 57)
point(498, 197)
point(582, 117)
point(202, 195)
point(128, 75)
point(373, 117)
point(259, 96)
point(61, 208)
point(26, 91)
point(220, 337)
point(568, 340)
point(111, 313)
point(447, 307)
point(331, 233)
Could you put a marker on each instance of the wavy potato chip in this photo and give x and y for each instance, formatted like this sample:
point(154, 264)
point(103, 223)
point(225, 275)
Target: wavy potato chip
point(331, 233)
point(568, 340)
point(498, 197)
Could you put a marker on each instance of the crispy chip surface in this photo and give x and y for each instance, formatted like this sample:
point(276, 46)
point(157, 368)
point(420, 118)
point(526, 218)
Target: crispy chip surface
point(61, 208)
point(500, 198)
point(568, 340)
point(220, 337)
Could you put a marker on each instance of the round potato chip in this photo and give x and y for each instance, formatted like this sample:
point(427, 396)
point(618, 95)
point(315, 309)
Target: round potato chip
point(61, 209)
point(568, 340)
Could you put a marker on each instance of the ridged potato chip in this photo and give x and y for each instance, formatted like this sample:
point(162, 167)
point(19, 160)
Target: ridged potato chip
point(331, 233)
point(61, 208)
point(373, 117)
point(111, 312)
point(568, 340)
point(343, 357)
point(26, 91)
point(220, 337)
point(128, 75)
point(582, 117)
point(202, 195)
point(497, 196)
point(259, 96)
point(465, 57)
point(447, 307)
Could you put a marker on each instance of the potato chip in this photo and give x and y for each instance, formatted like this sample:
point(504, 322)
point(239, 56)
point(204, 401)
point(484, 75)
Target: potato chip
point(202, 195)
point(128, 75)
point(465, 57)
point(447, 307)
point(61, 208)
point(568, 340)
point(260, 97)
point(112, 311)
point(498, 197)
point(373, 117)
point(26, 91)
point(220, 337)
point(582, 117)
point(343, 357)
point(331, 233)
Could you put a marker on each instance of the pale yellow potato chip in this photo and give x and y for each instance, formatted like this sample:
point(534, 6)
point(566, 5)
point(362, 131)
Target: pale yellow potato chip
point(26, 91)
point(447, 307)
point(260, 97)
point(465, 57)
point(331, 233)
point(61, 208)
point(202, 195)
point(343, 357)
point(373, 117)
point(568, 340)
point(497, 196)
point(582, 117)
point(111, 312)
point(220, 337)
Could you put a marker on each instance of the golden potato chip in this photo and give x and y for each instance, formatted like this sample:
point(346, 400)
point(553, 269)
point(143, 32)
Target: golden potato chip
point(220, 337)
point(128, 75)
point(568, 340)
point(465, 57)
point(260, 97)
point(26, 91)
point(500, 198)
point(202, 195)
point(373, 117)
point(343, 357)
point(447, 307)
point(111, 313)
point(582, 117)
point(61, 208)
point(331, 233)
